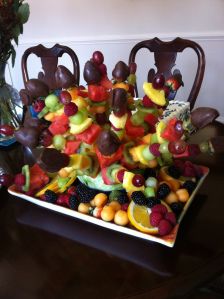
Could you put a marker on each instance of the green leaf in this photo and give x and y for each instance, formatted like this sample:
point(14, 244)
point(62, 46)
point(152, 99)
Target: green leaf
point(24, 12)
point(16, 31)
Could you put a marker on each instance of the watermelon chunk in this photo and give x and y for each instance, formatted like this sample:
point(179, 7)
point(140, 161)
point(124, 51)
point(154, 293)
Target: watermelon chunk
point(90, 135)
point(59, 125)
point(71, 147)
point(38, 177)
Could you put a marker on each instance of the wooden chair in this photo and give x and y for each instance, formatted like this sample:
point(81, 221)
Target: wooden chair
point(49, 60)
point(165, 54)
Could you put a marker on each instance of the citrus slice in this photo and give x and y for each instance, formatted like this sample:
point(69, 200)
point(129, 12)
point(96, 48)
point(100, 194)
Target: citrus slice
point(139, 216)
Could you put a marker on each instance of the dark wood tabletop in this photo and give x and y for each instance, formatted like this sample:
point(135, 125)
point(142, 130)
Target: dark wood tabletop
point(46, 255)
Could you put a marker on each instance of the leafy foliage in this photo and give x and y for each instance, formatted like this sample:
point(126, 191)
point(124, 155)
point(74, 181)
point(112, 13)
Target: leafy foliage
point(13, 14)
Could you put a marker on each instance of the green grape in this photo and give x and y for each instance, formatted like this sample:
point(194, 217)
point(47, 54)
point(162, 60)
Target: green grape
point(147, 155)
point(51, 100)
point(164, 148)
point(149, 192)
point(137, 118)
point(59, 142)
point(77, 118)
point(151, 182)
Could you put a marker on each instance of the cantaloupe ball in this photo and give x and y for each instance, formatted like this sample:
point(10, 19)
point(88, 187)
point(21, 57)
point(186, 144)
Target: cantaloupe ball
point(171, 198)
point(100, 199)
point(121, 218)
point(84, 208)
point(115, 205)
point(107, 213)
point(182, 195)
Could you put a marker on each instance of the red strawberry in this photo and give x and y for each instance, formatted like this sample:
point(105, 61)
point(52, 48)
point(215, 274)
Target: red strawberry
point(175, 82)
point(20, 179)
point(38, 105)
point(146, 102)
point(155, 218)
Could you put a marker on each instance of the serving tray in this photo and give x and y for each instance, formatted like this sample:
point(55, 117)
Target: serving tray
point(168, 240)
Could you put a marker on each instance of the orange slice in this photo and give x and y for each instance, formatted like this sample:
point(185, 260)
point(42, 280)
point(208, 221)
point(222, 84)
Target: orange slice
point(139, 216)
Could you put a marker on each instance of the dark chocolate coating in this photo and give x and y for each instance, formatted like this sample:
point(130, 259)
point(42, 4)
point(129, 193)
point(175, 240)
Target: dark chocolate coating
point(91, 73)
point(119, 101)
point(51, 159)
point(27, 136)
point(36, 88)
point(202, 116)
point(121, 71)
point(64, 78)
point(218, 144)
point(108, 143)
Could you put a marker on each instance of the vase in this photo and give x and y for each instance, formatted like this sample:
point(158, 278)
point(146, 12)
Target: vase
point(11, 110)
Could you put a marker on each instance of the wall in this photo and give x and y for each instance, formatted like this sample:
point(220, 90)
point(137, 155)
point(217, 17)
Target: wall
point(115, 26)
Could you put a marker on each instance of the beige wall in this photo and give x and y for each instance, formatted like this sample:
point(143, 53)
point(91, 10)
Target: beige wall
point(114, 27)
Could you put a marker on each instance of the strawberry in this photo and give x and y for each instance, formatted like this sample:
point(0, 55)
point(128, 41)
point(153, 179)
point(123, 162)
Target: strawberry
point(175, 82)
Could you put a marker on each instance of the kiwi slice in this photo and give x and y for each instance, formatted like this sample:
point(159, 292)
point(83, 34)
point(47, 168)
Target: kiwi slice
point(26, 172)
point(111, 170)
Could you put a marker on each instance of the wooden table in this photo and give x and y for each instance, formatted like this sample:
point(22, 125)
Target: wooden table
point(46, 255)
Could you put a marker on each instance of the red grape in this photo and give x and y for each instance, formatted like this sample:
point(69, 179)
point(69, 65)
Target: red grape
point(65, 97)
point(179, 128)
point(133, 67)
point(103, 69)
point(158, 81)
point(6, 179)
point(101, 118)
point(177, 147)
point(138, 180)
point(98, 57)
point(120, 175)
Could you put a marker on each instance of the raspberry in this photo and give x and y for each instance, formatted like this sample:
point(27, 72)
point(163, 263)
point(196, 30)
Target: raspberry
point(124, 207)
point(165, 227)
point(146, 102)
point(171, 217)
point(63, 200)
point(154, 149)
point(139, 198)
point(71, 190)
point(38, 105)
point(160, 208)
point(20, 179)
point(70, 109)
point(155, 218)
point(163, 191)
point(189, 171)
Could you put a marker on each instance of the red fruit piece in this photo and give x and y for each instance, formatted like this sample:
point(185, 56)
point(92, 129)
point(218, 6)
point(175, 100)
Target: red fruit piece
point(65, 97)
point(151, 119)
point(103, 69)
point(155, 218)
point(165, 227)
point(71, 147)
point(146, 102)
point(46, 138)
point(59, 125)
point(70, 109)
point(6, 180)
point(124, 207)
point(20, 179)
point(71, 190)
point(6, 130)
point(63, 200)
point(154, 149)
point(38, 178)
point(160, 208)
point(120, 175)
point(90, 134)
point(138, 180)
point(97, 93)
point(98, 57)
point(158, 81)
point(38, 105)
point(171, 217)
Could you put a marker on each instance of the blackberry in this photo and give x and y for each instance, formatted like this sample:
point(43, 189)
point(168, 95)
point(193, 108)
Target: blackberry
point(152, 201)
point(139, 198)
point(163, 191)
point(174, 172)
point(85, 194)
point(122, 198)
point(177, 207)
point(189, 185)
point(50, 196)
point(73, 202)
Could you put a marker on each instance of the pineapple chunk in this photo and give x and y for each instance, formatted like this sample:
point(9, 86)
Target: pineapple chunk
point(76, 129)
point(127, 182)
point(156, 95)
point(118, 122)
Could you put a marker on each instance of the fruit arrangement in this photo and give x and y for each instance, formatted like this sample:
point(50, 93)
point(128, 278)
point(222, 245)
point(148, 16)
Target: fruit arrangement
point(99, 151)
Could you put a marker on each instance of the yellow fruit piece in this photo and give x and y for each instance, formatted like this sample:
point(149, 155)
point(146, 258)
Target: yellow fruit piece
point(146, 139)
point(182, 195)
point(84, 208)
point(121, 218)
point(171, 198)
point(156, 95)
point(100, 200)
point(70, 181)
point(160, 126)
point(127, 182)
point(97, 109)
point(139, 216)
point(118, 122)
point(136, 153)
point(76, 129)
point(59, 111)
point(80, 102)
point(73, 92)
point(121, 85)
point(107, 213)
point(49, 116)
point(53, 186)
point(79, 162)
